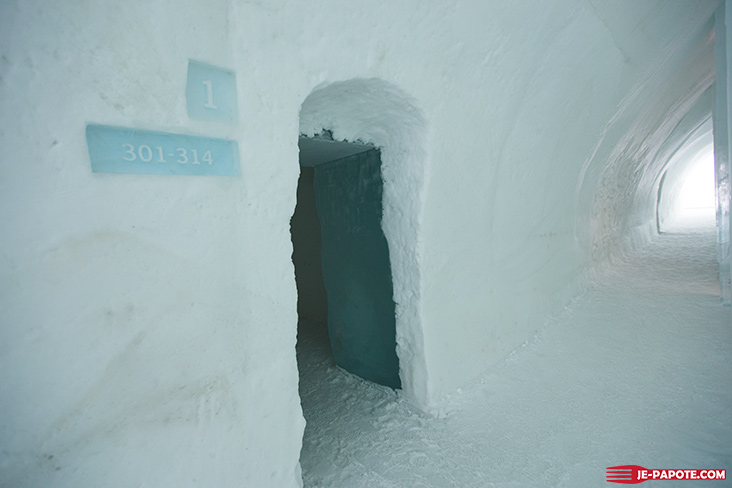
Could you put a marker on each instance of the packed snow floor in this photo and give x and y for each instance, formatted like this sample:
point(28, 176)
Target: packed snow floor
point(637, 370)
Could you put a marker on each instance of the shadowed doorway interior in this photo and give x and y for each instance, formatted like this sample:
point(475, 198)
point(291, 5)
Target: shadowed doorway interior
point(341, 257)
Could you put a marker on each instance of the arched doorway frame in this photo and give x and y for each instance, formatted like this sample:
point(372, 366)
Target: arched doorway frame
point(373, 111)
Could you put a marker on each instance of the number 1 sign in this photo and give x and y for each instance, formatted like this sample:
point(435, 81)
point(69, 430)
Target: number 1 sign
point(211, 93)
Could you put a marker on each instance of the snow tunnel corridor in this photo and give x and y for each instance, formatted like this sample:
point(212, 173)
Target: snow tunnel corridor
point(636, 370)
point(686, 197)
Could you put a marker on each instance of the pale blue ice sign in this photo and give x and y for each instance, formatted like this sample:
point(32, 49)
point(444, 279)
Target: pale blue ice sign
point(211, 93)
point(123, 150)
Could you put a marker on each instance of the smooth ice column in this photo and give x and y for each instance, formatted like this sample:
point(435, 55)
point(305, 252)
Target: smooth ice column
point(720, 112)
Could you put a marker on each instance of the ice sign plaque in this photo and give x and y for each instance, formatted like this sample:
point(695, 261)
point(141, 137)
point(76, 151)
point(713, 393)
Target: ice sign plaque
point(122, 150)
point(211, 93)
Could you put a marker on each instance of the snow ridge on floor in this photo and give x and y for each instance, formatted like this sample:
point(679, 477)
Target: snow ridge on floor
point(638, 370)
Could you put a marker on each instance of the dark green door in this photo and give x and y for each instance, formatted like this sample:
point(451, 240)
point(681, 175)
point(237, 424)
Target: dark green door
point(356, 267)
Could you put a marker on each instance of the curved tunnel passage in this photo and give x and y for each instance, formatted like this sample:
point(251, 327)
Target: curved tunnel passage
point(624, 179)
point(686, 192)
point(645, 146)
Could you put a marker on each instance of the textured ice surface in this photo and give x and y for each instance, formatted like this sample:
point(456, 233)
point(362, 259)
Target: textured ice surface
point(150, 321)
point(635, 371)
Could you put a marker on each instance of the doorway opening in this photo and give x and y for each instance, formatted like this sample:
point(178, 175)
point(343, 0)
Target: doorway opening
point(346, 311)
point(341, 258)
point(380, 115)
point(391, 131)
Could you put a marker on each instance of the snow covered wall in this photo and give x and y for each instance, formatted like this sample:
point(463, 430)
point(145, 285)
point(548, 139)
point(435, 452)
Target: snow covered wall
point(149, 321)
